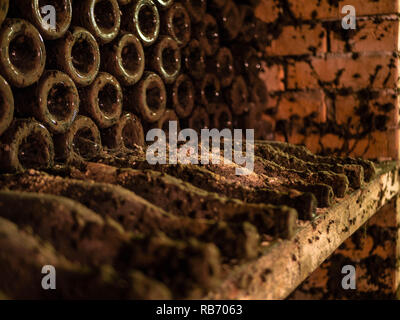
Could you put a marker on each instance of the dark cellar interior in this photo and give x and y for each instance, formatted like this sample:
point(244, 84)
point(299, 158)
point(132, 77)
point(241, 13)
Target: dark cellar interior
point(89, 88)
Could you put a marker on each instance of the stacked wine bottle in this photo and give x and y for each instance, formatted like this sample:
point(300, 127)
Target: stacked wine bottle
point(110, 70)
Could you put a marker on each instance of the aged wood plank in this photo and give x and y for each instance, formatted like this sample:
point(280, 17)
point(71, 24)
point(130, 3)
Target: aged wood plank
point(285, 264)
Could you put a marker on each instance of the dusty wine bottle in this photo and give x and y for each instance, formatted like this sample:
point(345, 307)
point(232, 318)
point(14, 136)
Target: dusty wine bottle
point(163, 122)
point(148, 98)
point(258, 93)
point(77, 54)
point(124, 58)
point(125, 134)
point(222, 66)
point(164, 4)
point(229, 18)
point(248, 30)
point(176, 23)
point(207, 33)
point(164, 58)
point(199, 119)
point(3, 10)
point(182, 96)
point(304, 154)
point(237, 96)
point(183, 199)
point(54, 101)
point(102, 100)
point(80, 143)
point(73, 280)
point(23, 54)
point(222, 117)
point(216, 4)
point(142, 18)
point(194, 61)
point(101, 18)
point(209, 91)
point(196, 8)
point(26, 144)
point(33, 11)
point(247, 62)
point(6, 105)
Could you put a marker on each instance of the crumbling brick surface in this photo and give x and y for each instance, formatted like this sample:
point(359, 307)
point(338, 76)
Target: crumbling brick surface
point(334, 90)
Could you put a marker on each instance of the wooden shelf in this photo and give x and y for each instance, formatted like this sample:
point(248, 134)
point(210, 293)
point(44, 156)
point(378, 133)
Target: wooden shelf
point(285, 264)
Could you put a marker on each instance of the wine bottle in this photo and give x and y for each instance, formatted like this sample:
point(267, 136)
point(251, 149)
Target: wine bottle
point(176, 23)
point(198, 120)
point(196, 8)
point(23, 255)
point(80, 143)
point(163, 122)
point(6, 105)
point(270, 169)
point(237, 96)
point(222, 117)
point(183, 199)
point(216, 4)
point(77, 54)
point(201, 177)
point(101, 18)
point(230, 20)
point(285, 160)
point(148, 98)
point(164, 58)
point(23, 54)
point(35, 12)
point(4, 4)
point(26, 144)
point(141, 17)
point(194, 61)
point(54, 101)
point(248, 30)
point(209, 92)
point(127, 133)
point(182, 96)
point(222, 66)
point(75, 240)
point(102, 100)
point(124, 59)
point(164, 4)
point(304, 154)
point(247, 62)
point(95, 242)
point(259, 94)
point(207, 32)
point(140, 216)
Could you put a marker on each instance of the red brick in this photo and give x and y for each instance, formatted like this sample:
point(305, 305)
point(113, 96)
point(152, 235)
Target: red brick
point(303, 103)
point(313, 9)
point(369, 36)
point(274, 77)
point(267, 10)
point(347, 105)
point(378, 71)
point(379, 145)
point(321, 9)
point(300, 40)
point(371, 7)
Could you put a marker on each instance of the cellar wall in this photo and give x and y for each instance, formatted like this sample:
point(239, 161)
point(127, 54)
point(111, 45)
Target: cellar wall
point(332, 89)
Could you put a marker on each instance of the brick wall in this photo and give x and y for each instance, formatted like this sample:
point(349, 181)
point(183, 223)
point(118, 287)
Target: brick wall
point(331, 89)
